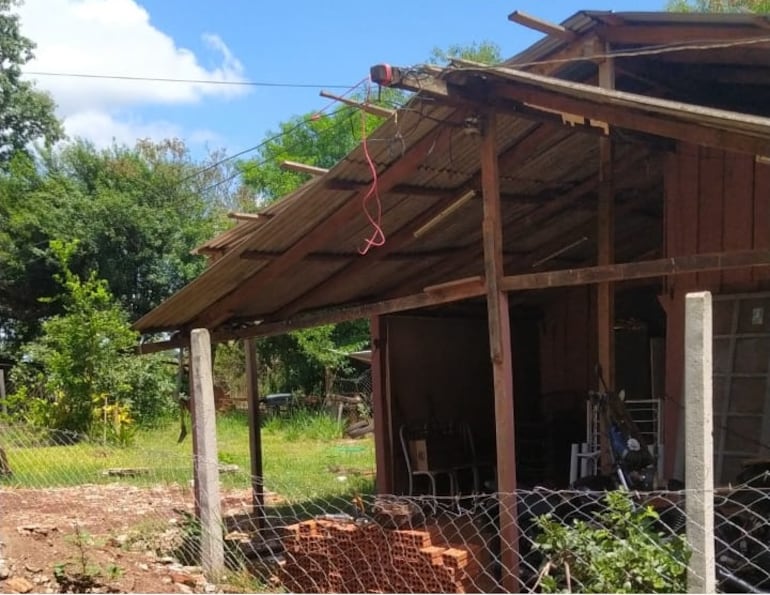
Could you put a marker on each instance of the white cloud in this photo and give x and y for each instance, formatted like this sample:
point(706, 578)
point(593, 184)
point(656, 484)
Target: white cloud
point(116, 37)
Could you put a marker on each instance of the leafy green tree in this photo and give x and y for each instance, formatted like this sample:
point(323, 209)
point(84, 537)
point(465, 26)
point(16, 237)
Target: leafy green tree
point(757, 6)
point(136, 213)
point(80, 372)
point(26, 114)
point(485, 52)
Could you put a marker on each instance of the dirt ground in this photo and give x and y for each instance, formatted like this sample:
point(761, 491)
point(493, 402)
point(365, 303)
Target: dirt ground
point(116, 538)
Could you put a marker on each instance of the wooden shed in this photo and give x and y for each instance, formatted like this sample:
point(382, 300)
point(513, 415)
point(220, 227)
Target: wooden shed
point(540, 216)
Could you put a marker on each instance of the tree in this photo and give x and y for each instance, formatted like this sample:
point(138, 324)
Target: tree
point(136, 213)
point(485, 52)
point(758, 6)
point(26, 114)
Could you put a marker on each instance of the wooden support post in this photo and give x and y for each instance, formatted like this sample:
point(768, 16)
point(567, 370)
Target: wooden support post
point(699, 423)
point(383, 434)
point(3, 404)
point(5, 468)
point(500, 351)
point(255, 432)
point(605, 240)
point(207, 461)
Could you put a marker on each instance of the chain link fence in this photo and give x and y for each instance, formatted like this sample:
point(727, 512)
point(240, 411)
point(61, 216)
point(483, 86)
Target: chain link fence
point(80, 516)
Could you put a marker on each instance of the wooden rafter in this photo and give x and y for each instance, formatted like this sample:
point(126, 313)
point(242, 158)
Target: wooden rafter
point(269, 255)
point(303, 168)
point(369, 108)
point(537, 24)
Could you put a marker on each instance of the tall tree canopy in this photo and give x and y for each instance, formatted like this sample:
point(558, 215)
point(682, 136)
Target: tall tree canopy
point(758, 6)
point(26, 114)
point(136, 213)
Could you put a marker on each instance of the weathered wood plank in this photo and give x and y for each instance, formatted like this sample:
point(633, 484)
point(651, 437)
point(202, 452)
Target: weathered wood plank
point(738, 214)
point(383, 431)
point(687, 208)
point(536, 24)
point(255, 431)
point(500, 350)
point(761, 239)
point(710, 205)
point(677, 265)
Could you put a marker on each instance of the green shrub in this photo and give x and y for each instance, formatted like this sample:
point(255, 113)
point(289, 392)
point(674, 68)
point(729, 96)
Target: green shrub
point(619, 552)
point(80, 375)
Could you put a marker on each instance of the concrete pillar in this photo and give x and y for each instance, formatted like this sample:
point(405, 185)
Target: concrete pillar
point(206, 457)
point(699, 454)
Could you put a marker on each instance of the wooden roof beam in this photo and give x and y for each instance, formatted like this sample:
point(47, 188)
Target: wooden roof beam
point(303, 168)
point(632, 119)
point(531, 22)
point(227, 306)
point(677, 265)
point(269, 255)
point(248, 216)
point(664, 34)
point(369, 108)
point(472, 288)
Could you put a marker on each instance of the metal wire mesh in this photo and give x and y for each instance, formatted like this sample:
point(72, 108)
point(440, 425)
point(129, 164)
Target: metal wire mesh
point(63, 501)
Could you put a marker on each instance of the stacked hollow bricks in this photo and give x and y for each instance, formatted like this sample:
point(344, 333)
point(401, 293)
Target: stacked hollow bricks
point(332, 557)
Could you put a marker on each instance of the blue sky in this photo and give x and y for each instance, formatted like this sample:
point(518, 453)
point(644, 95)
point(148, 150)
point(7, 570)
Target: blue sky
point(331, 43)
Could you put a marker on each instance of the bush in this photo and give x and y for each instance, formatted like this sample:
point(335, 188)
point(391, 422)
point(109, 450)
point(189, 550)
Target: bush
point(619, 552)
point(80, 375)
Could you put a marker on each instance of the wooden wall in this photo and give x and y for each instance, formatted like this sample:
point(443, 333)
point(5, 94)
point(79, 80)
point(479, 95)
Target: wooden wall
point(440, 368)
point(568, 342)
point(714, 201)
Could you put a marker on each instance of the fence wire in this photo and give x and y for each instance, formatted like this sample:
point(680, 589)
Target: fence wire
point(75, 521)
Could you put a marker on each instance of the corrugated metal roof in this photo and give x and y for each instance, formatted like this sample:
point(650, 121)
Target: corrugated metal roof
point(544, 198)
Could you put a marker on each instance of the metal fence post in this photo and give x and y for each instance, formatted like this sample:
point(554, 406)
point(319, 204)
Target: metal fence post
point(207, 468)
point(699, 457)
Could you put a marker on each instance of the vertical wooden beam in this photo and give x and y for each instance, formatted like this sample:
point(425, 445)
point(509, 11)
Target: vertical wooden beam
point(207, 468)
point(500, 351)
point(3, 405)
point(255, 431)
point(383, 434)
point(193, 424)
point(605, 240)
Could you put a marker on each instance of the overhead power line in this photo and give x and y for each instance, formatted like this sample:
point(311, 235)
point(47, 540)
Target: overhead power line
point(189, 81)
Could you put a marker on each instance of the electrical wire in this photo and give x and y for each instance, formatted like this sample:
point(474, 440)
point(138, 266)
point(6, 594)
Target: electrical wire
point(377, 238)
point(160, 79)
point(275, 137)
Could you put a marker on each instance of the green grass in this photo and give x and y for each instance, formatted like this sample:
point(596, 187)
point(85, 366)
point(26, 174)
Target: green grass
point(303, 458)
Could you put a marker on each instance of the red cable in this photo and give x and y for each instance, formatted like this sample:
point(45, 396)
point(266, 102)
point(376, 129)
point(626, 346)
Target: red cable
point(377, 238)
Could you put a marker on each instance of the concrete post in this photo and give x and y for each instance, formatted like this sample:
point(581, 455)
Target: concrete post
point(699, 457)
point(205, 453)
